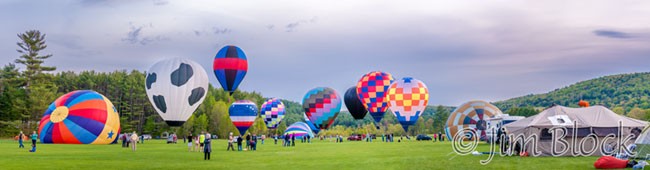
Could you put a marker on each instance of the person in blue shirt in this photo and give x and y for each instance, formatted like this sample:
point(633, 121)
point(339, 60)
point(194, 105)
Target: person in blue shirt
point(33, 148)
point(34, 137)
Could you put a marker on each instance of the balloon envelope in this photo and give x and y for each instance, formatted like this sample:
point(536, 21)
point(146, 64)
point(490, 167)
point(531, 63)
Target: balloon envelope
point(354, 105)
point(371, 89)
point(80, 117)
point(175, 88)
point(474, 115)
point(321, 105)
point(243, 114)
point(273, 111)
point(298, 129)
point(311, 125)
point(230, 66)
point(407, 99)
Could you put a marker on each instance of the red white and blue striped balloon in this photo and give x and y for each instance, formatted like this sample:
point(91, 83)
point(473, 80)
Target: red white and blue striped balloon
point(242, 114)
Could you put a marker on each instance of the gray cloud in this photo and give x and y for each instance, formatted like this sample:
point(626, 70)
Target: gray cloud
point(135, 36)
point(160, 2)
point(291, 27)
point(613, 34)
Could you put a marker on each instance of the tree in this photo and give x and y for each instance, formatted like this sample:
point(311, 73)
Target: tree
point(619, 110)
point(637, 113)
point(38, 86)
point(440, 119)
point(31, 44)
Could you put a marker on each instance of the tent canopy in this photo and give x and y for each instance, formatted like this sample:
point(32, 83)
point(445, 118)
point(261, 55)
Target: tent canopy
point(560, 116)
point(596, 120)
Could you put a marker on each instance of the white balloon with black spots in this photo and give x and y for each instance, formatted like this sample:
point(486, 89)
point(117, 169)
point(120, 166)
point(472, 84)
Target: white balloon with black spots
point(175, 88)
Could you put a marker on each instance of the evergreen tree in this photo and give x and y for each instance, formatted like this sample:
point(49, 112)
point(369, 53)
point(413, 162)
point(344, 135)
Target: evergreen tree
point(39, 90)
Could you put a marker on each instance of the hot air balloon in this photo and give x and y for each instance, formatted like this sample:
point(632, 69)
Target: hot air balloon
point(354, 105)
point(321, 105)
point(273, 111)
point(243, 114)
point(80, 117)
point(176, 87)
point(371, 89)
point(311, 125)
point(473, 115)
point(298, 129)
point(407, 99)
point(230, 67)
point(583, 103)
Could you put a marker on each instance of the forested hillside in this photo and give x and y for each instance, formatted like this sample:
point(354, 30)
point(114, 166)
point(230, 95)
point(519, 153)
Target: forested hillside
point(623, 93)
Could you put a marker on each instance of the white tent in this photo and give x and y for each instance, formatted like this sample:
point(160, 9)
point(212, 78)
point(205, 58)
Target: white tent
point(597, 120)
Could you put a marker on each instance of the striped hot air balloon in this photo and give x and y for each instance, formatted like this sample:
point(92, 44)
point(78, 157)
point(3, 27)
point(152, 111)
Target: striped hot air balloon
point(298, 129)
point(474, 115)
point(80, 117)
point(407, 99)
point(273, 111)
point(371, 89)
point(243, 114)
point(230, 66)
point(321, 105)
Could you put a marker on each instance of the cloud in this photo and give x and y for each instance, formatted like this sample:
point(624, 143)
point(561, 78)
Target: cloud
point(270, 27)
point(134, 36)
point(291, 27)
point(217, 30)
point(212, 31)
point(160, 2)
point(613, 34)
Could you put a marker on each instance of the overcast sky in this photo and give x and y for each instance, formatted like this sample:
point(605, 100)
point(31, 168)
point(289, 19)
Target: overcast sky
point(462, 49)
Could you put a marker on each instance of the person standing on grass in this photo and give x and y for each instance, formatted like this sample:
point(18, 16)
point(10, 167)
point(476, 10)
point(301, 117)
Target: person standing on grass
point(196, 143)
point(275, 138)
point(34, 137)
point(201, 140)
point(123, 138)
point(263, 137)
point(230, 140)
point(248, 141)
point(134, 140)
point(293, 139)
point(189, 142)
point(142, 139)
point(239, 142)
point(207, 147)
point(20, 140)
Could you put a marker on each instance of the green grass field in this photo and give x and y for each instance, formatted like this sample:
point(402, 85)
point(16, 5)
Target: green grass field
point(155, 154)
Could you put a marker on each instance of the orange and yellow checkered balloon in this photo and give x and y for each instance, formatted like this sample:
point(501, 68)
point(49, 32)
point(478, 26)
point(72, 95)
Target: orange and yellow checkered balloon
point(407, 99)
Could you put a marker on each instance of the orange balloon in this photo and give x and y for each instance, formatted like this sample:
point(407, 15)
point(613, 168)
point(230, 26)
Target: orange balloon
point(583, 103)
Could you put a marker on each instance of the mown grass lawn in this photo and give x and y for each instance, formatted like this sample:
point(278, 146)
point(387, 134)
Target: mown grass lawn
point(155, 154)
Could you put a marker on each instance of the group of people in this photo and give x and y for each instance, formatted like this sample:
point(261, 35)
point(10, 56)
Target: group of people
point(289, 140)
point(131, 140)
point(438, 136)
point(201, 143)
point(34, 137)
point(389, 138)
point(251, 142)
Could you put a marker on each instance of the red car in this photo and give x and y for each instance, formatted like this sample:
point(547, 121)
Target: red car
point(355, 138)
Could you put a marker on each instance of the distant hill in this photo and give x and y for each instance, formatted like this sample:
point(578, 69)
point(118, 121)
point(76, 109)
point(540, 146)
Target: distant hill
point(623, 90)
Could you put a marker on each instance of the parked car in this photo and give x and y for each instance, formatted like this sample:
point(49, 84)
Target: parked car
point(355, 138)
point(146, 136)
point(423, 137)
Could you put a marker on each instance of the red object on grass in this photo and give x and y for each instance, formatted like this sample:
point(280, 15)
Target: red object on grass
point(610, 162)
